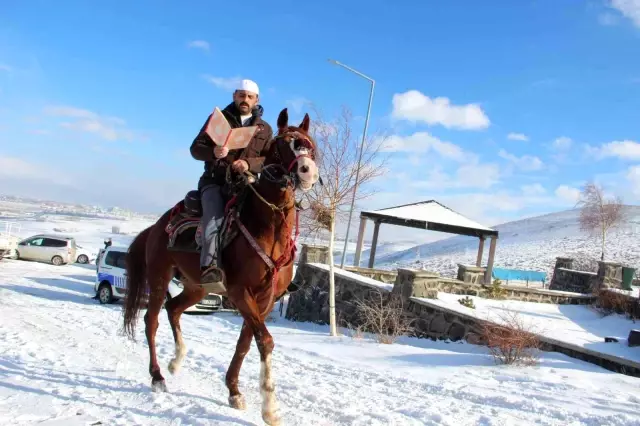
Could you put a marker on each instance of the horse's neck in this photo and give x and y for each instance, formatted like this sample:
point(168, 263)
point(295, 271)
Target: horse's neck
point(260, 219)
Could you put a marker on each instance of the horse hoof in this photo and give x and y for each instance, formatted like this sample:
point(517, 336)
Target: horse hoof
point(272, 419)
point(174, 367)
point(159, 386)
point(237, 402)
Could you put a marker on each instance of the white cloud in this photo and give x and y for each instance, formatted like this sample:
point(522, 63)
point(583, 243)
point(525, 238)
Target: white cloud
point(107, 127)
point(13, 168)
point(474, 175)
point(629, 8)
point(533, 189)
point(517, 137)
point(525, 163)
point(199, 44)
point(562, 143)
point(633, 177)
point(416, 107)
point(568, 194)
point(297, 104)
point(423, 142)
point(224, 83)
point(626, 150)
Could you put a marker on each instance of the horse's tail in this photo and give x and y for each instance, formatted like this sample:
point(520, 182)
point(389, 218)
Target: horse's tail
point(136, 266)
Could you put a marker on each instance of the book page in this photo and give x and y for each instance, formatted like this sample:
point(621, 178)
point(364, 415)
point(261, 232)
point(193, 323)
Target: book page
point(218, 128)
point(241, 136)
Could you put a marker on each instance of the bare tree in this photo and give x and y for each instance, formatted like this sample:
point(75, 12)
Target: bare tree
point(337, 160)
point(599, 215)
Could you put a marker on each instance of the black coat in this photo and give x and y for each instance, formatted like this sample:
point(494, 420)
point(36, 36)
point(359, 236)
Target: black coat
point(253, 154)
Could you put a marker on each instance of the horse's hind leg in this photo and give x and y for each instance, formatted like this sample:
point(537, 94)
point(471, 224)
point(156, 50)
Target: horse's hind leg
point(236, 399)
point(175, 307)
point(158, 280)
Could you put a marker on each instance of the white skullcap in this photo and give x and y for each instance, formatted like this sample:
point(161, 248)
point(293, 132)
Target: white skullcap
point(249, 86)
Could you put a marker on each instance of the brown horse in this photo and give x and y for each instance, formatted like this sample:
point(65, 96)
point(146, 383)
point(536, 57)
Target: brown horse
point(257, 255)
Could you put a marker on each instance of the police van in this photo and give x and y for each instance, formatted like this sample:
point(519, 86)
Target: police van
point(111, 282)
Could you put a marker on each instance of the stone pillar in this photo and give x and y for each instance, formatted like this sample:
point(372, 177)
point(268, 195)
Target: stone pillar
point(414, 283)
point(314, 254)
point(609, 275)
point(480, 251)
point(471, 274)
point(492, 255)
point(374, 243)
point(363, 227)
point(564, 262)
point(556, 282)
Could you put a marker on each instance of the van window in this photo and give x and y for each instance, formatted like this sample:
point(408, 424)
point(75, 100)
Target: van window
point(115, 258)
point(120, 262)
point(52, 242)
point(35, 242)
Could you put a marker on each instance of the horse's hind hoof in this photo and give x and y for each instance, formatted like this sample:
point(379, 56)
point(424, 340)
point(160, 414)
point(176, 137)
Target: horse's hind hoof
point(159, 386)
point(237, 402)
point(272, 419)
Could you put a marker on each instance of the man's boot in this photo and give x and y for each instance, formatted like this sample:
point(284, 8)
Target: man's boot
point(212, 277)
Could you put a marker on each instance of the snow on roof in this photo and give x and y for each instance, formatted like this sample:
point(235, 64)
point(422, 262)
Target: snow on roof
point(430, 215)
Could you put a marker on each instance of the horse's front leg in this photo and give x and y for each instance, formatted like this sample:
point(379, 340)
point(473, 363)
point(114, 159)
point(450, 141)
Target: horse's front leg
point(270, 410)
point(236, 399)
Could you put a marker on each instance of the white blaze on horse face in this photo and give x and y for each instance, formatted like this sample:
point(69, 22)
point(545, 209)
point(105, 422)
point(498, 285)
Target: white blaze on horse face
point(307, 169)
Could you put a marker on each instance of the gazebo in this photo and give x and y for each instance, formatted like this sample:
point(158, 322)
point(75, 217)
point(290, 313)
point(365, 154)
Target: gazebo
point(430, 215)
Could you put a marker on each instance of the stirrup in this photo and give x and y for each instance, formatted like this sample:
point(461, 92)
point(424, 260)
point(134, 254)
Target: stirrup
point(212, 280)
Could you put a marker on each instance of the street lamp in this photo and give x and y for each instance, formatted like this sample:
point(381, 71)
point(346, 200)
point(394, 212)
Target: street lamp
point(364, 136)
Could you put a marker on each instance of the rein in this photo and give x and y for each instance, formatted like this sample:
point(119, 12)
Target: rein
point(289, 251)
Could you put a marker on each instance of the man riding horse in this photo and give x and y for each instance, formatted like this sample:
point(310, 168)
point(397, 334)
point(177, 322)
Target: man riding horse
point(243, 111)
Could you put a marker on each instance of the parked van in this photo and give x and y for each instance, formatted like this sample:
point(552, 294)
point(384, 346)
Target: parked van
point(47, 248)
point(111, 282)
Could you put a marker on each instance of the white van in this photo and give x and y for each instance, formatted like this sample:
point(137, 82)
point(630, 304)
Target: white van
point(48, 248)
point(111, 282)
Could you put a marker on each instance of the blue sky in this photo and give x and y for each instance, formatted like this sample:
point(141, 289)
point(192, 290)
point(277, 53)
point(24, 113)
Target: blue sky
point(99, 102)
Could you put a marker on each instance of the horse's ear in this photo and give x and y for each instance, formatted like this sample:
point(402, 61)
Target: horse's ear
point(283, 120)
point(305, 123)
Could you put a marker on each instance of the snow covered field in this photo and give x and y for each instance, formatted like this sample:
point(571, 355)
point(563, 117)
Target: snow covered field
point(578, 325)
point(62, 362)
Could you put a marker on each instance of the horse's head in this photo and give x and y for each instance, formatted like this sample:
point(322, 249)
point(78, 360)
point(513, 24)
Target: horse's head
point(295, 150)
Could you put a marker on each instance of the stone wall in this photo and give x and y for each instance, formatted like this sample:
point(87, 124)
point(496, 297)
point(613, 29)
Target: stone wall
point(311, 303)
point(427, 285)
point(314, 254)
point(376, 274)
point(574, 281)
point(609, 276)
point(471, 274)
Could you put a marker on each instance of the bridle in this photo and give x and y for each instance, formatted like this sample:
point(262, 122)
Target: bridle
point(288, 179)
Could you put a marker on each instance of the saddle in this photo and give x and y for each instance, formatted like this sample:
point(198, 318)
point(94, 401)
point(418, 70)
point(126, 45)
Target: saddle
point(184, 228)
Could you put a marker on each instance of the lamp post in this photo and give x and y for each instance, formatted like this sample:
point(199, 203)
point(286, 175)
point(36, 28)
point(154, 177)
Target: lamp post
point(364, 137)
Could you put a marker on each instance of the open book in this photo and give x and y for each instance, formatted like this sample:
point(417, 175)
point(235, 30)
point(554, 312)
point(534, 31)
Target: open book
point(223, 135)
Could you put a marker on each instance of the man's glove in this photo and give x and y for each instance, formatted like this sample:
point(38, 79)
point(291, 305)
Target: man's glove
point(220, 151)
point(240, 166)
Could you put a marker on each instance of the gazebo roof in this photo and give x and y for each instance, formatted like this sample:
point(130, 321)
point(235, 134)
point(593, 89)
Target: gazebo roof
point(430, 215)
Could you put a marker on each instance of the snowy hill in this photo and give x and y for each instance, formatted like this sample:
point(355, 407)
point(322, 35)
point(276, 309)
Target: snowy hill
point(531, 243)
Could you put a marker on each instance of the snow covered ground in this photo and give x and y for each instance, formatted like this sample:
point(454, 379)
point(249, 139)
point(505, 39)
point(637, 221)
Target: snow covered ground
point(62, 362)
point(578, 325)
